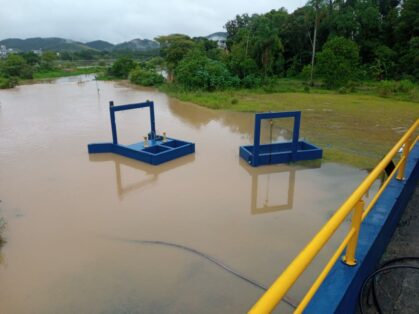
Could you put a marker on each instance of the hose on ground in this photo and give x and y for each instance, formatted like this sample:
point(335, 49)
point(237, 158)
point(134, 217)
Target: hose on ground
point(211, 259)
point(383, 268)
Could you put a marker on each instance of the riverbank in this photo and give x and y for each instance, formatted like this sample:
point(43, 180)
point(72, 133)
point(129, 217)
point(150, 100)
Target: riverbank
point(57, 73)
point(51, 75)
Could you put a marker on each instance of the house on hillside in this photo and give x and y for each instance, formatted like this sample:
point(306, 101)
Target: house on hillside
point(220, 38)
point(3, 51)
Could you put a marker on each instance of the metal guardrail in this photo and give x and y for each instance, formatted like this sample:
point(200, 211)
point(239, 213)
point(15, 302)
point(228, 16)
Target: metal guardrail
point(355, 204)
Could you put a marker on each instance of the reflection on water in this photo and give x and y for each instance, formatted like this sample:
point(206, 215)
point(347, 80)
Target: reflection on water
point(152, 173)
point(63, 207)
point(264, 197)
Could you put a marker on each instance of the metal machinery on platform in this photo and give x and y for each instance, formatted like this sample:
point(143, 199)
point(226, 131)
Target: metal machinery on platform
point(155, 149)
point(275, 153)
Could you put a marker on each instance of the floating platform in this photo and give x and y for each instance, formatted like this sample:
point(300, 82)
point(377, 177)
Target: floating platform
point(155, 149)
point(275, 153)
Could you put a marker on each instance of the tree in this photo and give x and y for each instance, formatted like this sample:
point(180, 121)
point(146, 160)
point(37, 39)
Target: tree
point(409, 60)
point(240, 63)
point(234, 28)
point(31, 58)
point(15, 66)
point(253, 41)
point(173, 48)
point(197, 71)
point(383, 65)
point(47, 60)
point(122, 67)
point(267, 46)
point(145, 77)
point(337, 63)
point(317, 5)
point(295, 37)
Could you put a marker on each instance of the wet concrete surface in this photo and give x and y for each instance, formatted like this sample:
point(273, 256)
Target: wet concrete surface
point(398, 290)
point(74, 220)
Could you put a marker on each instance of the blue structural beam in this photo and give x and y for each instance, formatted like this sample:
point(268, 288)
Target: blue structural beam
point(274, 153)
point(339, 292)
point(154, 150)
point(113, 109)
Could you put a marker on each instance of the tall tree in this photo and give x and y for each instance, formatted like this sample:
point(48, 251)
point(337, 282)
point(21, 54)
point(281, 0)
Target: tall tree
point(338, 61)
point(173, 48)
point(318, 6)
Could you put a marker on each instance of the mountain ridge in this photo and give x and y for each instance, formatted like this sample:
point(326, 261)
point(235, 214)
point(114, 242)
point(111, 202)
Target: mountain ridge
point(62, 44)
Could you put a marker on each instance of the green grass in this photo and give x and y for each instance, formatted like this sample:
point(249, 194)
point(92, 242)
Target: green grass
point(356, 129)
point(66, 72)
point(102, 76)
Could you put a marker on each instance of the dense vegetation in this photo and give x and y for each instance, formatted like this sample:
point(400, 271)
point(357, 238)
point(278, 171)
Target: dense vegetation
point(344, 40)
point(328, 44)
point(28, 65)
point(333, 43)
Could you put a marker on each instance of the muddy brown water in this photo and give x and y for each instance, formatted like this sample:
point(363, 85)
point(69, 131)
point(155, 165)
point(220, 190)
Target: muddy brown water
point(75, 222)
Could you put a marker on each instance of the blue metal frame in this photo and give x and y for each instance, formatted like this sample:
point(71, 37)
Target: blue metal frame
point(113, 109)
point(158, 149)
point(274, 153)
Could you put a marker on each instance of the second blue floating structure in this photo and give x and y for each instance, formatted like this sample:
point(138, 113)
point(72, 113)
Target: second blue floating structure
point(275, 153)
point(155, 149)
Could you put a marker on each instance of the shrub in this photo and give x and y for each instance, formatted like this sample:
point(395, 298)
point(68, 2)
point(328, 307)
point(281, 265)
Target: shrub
point(145, 77)
point(306, 73)
point(197, 71)
point(122, 67)
point(387, 88)
point(8, 82)
point(405, 86)
point(338, 61)
point(251, 80)
point(351, 86)
point(342, 90)
point(16, 66)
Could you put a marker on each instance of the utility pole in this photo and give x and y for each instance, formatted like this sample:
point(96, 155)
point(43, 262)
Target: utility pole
point(313, 53)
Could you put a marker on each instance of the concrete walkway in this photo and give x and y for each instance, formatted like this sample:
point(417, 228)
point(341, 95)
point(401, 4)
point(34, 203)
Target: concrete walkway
point(398, 290)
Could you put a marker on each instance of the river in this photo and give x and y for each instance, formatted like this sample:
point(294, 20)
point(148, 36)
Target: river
point(75, 222)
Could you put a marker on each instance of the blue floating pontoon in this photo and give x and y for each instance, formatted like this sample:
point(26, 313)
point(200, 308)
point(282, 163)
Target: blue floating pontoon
point(276, 153)
point(155, 149)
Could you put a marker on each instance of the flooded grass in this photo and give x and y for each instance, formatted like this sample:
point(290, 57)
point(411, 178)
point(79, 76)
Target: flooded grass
point(354, 129)
point(66, 72)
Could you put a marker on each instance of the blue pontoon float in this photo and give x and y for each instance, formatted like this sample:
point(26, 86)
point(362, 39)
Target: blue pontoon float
point(275, 153)
point(155, 149)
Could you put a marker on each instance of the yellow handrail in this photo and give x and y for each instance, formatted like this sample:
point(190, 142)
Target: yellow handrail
point(286, 280)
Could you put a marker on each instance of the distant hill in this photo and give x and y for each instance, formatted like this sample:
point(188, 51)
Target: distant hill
point(51, 43)
point(61, 44)
point(138, 44)
point(100, 45)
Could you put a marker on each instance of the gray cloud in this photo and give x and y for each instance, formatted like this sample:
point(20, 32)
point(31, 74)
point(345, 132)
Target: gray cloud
point(118, 21)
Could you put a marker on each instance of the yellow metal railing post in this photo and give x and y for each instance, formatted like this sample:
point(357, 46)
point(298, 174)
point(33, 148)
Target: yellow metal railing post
point(406, 150)
point(268, 301)
point(349, 258)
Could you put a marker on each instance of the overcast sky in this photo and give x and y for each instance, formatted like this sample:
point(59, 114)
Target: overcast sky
point(118, 21)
